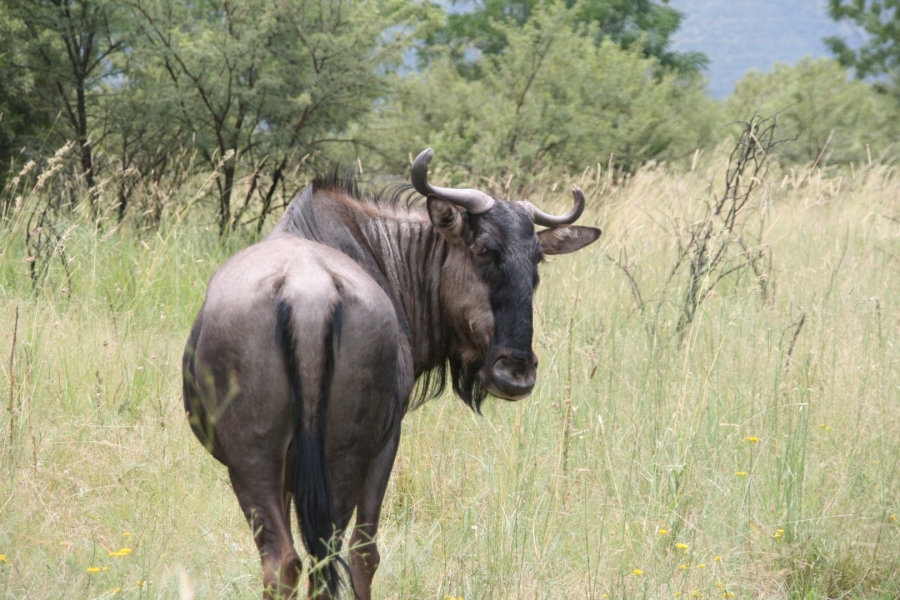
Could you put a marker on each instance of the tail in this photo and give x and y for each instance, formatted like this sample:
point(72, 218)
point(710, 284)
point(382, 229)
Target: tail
point(312, 492)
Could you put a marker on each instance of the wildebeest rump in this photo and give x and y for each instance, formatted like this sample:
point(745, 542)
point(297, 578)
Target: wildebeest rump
point(307, 349)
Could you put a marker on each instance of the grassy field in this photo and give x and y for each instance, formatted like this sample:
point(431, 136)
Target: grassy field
point(756, 457)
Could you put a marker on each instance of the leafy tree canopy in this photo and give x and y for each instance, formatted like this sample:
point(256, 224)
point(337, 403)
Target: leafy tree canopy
point(20, 118)
point(829, 117)
point(642, 24)
point(551, 97)
point(880, 20)
point(69, 44)
point(263, 81)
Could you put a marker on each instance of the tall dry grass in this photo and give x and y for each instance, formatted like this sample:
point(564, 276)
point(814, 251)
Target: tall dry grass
point(755, 458)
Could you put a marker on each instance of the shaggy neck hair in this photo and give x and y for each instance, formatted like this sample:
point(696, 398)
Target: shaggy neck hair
point(391, 237)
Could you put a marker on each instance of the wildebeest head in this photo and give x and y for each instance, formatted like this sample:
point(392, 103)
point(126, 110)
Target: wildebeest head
point(489, 281)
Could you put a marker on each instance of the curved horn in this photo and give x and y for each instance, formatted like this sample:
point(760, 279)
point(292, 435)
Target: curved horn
point(542, 218)
point(475, 201)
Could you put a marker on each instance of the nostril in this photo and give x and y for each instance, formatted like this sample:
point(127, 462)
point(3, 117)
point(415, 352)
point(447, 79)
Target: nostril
point(514, 373)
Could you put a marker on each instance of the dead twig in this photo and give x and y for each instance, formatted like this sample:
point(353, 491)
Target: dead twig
point(716, 243)
point(797, 325)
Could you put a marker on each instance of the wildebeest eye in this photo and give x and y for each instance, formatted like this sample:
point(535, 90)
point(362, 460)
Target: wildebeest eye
point(485, 251)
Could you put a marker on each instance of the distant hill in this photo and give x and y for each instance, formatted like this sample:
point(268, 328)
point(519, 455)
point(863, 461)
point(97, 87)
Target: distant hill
point(738, 35)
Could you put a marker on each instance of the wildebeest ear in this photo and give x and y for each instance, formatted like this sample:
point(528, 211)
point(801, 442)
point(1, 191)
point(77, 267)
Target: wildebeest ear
point(446, 219)
point(562, 240)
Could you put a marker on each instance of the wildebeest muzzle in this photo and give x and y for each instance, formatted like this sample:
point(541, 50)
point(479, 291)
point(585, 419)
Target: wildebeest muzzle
point(510, 374)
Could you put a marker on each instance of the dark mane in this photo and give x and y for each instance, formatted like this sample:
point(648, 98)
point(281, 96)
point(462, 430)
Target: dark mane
point(377, 192)
point(400, 194)
point(398, 197)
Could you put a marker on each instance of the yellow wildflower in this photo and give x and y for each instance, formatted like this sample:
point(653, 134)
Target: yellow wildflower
point(682, 567)
point(117, 590)
point(126, 534)
point(893, 518)
point(753, 439)
point(682, 546)
point(777, 535)
point(106, 568)
point(828, 428)
point(663, 532)
point(93, 569)
point(3, 558)
point(728, 595)
point(637, 572)
point(717, 558)
point(701, 566)
point(741, 473)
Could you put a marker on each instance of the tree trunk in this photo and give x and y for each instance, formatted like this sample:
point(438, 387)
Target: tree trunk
point(87, 163)
point(84, 144)
point(123, 202)
point(225, 198)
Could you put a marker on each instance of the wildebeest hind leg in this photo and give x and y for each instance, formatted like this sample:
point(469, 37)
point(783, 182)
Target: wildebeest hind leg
point(260, 492)
point(364, 555)
point(347, 471)
point(288, 497)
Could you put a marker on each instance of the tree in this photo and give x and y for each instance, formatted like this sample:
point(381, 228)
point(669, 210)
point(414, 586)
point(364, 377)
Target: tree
point(633, 24)
point(258, 80)
point(70, 45)
point(827, 116)
point(20, 119)
point(552, 96)
point(880, 20)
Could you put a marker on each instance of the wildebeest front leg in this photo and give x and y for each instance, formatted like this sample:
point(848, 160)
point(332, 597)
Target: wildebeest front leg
point(364, 556)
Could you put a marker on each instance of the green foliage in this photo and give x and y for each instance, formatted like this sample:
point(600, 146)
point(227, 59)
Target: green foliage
point(142, 84)
point(640, 24)
point(832, 118)
point(880, 19)
point(69, 44)
point(261, 80)
point(551, 97)
point(155, 92)
point(20, 119)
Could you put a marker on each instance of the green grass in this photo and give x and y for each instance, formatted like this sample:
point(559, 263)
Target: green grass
point(563, 495)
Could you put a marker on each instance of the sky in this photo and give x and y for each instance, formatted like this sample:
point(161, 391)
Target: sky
point(738, 35)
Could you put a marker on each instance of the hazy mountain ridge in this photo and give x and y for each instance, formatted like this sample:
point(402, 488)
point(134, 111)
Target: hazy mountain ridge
point(738, 35)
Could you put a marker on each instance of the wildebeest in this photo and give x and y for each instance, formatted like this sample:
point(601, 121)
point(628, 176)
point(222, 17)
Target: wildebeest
point(307, 349)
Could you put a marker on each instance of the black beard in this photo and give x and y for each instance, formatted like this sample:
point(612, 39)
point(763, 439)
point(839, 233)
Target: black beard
point(466, 383)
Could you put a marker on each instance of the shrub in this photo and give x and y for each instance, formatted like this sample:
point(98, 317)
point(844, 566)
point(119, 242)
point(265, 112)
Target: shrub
point(552, 96)
point(834, 119)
